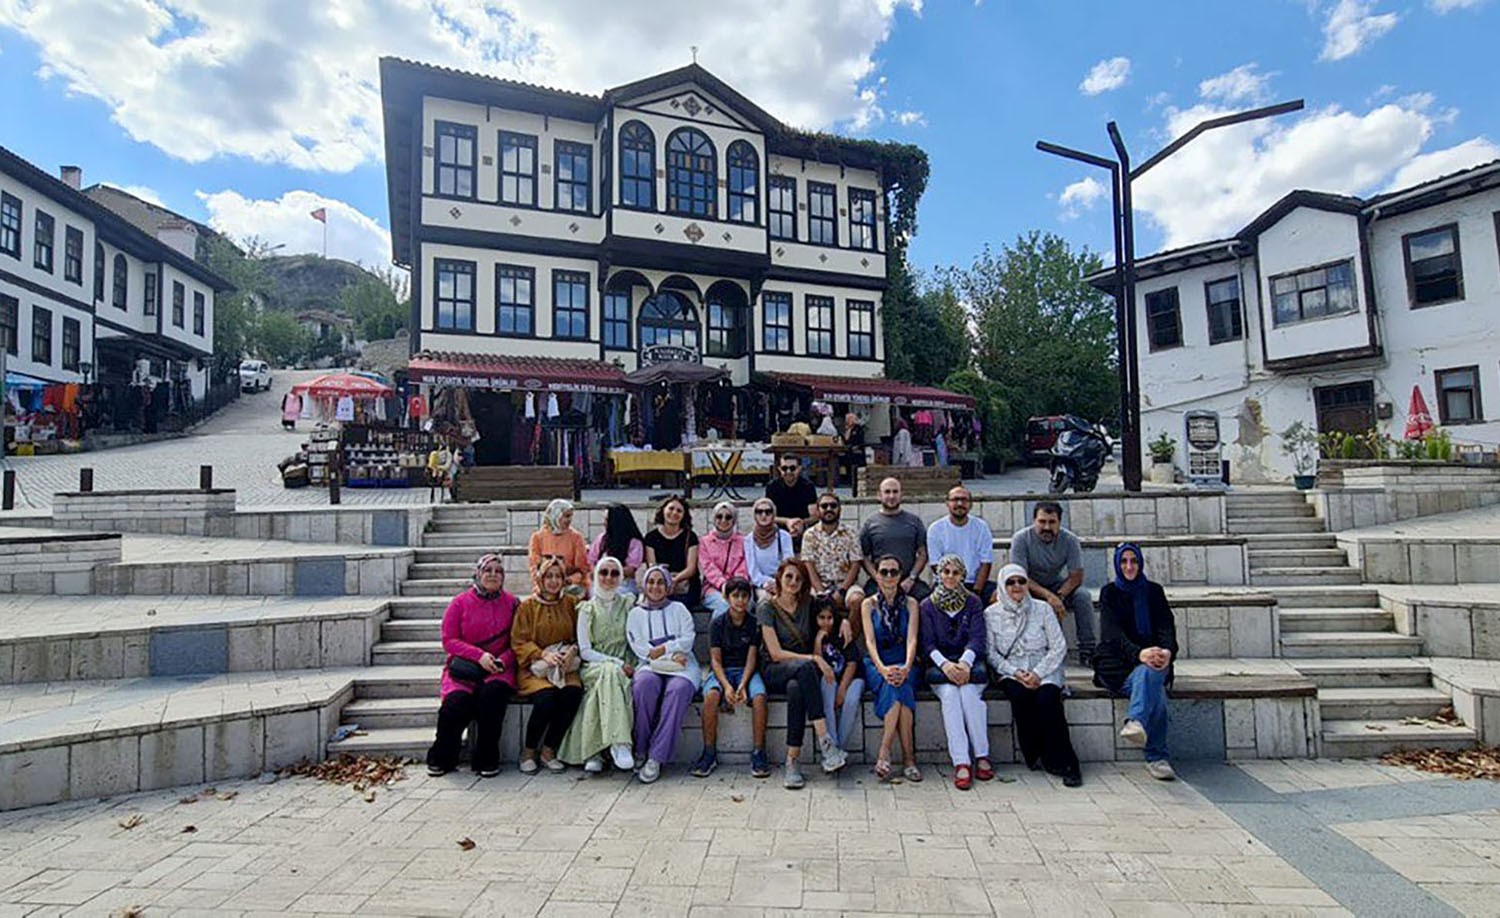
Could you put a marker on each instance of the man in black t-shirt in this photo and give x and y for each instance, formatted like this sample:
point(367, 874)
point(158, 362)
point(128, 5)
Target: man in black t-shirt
point(795, 497)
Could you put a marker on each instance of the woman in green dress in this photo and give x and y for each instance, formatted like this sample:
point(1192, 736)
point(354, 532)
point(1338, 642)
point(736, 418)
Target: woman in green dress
point(604, 720)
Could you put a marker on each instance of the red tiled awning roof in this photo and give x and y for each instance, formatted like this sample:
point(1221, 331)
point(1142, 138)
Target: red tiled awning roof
point(491, 371)
point(868, 391)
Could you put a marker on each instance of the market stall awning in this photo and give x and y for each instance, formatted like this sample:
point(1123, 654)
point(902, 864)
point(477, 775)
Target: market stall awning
point(492, 371)
point(675, 371)
point(871, 391)
point(336, 385)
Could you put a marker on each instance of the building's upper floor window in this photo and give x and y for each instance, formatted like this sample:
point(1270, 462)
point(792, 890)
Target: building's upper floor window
point(781, 208)
point(862, 329)
point(776, 322)
point(573, 170)
point(744, 183)
point(692, 176)
point(515, 300)
point(1225, 321)
point(453, 294)
point(122, 280)
point(150, 283)
point(570, 305)
point(179, 304)
point(44, 243)
point(862, 218)
point(457, 149)
point(1163, 319)
point(517, 169)
point(41, 335)
point(1434, 272)
point(10, 323)
point(98, 272)
point(819, 325)
point(726, 322)
point(72, 343)
point(637, 166)
point(1327, 290)
point(199, 309)
point(822, 214)
point(1458, 396)
point(617, 319)
point(73, 255)
point(10, 225)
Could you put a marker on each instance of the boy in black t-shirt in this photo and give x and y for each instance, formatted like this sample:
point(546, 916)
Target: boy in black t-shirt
point(734, 648)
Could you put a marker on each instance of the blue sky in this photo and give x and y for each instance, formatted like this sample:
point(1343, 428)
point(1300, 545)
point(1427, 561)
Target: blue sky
point(250, 117)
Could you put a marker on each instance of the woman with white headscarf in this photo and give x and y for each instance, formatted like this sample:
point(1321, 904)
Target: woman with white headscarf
point(661, 633)
point(1026, 648)
point(721, 557)
point(604, 719)
point(558, 539)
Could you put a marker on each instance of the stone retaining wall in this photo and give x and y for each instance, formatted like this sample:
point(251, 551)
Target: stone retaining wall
point(1354, 495)
point(1396, 559)
point(54, 563)
point(164, 512)
point(1449, 626)
point(326, 575)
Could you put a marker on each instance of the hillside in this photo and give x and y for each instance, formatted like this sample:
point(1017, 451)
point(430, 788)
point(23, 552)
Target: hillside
point(299, 282)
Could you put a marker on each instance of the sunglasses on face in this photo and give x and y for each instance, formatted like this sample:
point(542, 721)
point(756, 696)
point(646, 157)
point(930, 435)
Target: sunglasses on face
point(828, 506)
point(791, 468)
point(607, 573)
point(764, 512)
point(1015, 581)
point(723, 516)
point(889, 572)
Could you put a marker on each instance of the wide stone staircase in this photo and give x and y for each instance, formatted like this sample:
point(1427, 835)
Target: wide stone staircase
point(1372, 697)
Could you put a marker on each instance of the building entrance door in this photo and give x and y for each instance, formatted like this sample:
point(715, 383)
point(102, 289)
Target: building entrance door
point(1348, 408)
point(494, 418)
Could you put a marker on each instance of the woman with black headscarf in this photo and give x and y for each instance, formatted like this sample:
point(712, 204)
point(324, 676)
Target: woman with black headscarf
point(1137, 643)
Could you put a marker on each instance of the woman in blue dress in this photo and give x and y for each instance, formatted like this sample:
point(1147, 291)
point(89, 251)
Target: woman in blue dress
point(890, 629)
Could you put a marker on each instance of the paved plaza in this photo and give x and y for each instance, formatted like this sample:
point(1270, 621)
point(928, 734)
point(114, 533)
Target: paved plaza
point(1265, 838)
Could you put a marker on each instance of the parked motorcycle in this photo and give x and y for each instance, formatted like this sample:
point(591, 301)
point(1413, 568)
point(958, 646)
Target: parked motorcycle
point(1078, 456)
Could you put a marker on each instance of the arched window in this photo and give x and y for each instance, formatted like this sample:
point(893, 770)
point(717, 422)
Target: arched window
point(744, 183)
point(637, 166)
point(122, 278)
point(668, 318)
point(692, 174)
point(98, 272)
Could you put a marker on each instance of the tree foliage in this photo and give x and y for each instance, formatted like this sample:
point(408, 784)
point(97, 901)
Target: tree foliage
point(236, 312)
point(376, 304)
point(283, 341)
point(1044, 337)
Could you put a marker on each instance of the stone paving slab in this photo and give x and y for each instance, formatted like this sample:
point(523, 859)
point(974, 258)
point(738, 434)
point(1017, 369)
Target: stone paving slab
point(1481, 525)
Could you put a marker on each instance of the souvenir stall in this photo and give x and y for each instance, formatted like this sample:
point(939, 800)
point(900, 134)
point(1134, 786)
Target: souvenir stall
point(348, 398)
point(357, 433)
point(41, 417)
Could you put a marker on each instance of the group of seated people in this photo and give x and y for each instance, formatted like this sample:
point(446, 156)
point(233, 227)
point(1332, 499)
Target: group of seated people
point(804, 607)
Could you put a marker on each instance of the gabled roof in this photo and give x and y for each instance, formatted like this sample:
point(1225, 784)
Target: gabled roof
point(1317, 200)
point(1433, 191)
point(693, 73)
point(110, 226)
point(144, 215)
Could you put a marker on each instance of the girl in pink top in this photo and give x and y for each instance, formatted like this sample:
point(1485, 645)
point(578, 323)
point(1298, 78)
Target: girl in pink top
point(721, 557)
point(476, 627)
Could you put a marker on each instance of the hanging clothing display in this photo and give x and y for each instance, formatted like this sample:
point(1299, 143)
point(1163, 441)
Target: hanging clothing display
point(345, 409)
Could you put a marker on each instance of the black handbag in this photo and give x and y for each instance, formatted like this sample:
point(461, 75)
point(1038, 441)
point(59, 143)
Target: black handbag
point(468, 672)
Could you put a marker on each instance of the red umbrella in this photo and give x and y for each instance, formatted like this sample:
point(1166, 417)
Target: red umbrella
point(338, 384)
point(1418, 418)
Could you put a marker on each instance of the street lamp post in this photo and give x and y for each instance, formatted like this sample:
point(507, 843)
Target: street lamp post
point(1121, 179)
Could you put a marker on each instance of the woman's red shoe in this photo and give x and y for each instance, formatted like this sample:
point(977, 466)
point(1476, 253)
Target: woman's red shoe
point(983, 771)
point(963, 779)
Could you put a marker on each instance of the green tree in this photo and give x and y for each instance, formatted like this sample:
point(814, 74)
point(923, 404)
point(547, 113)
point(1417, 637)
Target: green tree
point(926, 333)
point(994, 413)
point(236, 312)
point(1044, 336)
point(282, 340)
point(375, 305)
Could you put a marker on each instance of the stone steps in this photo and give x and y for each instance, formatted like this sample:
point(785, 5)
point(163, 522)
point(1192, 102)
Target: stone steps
point(425, 570)
point(1310, 596)
point(1261, 558)
point(1304, 576)
point(403, 607)
point(481, 540)
point(1357, 672)
point(397, 681)
point(382, 713)
point(445, 586)
point(473, 525)
point(1267, 511)
point(428, 653)
point(1360, 739)
point(1294, 621)
point(1342, 644)
point(461, 554)
point(1381, 703)
point(404, 741)
point(1274, 525)
point(1282, 541)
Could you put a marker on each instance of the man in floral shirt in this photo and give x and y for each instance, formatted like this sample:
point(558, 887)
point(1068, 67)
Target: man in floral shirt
point(832, 555)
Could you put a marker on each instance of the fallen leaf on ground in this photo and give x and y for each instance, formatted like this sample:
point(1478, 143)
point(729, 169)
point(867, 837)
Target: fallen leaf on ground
point(227, 795)
point(188, 830)
point(129, 911)
point(360, 771)
point(1463, 764)
point(737, 798)
point(188, 800)
point(1378, 728)
point(131, 821)
point(1005, 779)
point(369, 796)
point(466, 843)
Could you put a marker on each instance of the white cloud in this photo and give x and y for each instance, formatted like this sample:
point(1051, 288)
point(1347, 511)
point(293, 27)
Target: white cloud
point(1351, 25)
point(910, 119)
point(1224, 178)
point(1080, 196)
point(1242, 84)
point(1442, 162)
point(298, 83)
point(1447, 6)
point(1106, 75)
point(287, 221)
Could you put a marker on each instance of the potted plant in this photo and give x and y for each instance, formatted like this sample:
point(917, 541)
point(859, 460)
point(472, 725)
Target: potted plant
point(1163, 450)
point(1301, 443)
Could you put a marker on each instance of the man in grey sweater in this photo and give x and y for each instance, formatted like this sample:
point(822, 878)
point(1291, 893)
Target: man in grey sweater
point(1053, 558)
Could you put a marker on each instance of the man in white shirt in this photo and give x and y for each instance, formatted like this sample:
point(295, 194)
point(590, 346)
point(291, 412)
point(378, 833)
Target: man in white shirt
point(967, 536)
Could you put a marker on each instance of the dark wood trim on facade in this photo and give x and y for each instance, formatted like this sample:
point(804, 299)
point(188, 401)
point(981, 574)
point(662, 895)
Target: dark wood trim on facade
point(48, 292)
point(1411, 281)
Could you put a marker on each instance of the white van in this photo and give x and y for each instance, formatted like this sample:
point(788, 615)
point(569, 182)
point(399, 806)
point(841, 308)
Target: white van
point(255, 376)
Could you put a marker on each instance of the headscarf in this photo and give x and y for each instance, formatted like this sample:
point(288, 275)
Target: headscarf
point(733, 527)
point(479, 567)
point(1139, 589)
point(949, 601)
point(540, 575)
point(1003, 595)
point(552, 516)
point(757, 526)
point(607, 596)
point(645, 602)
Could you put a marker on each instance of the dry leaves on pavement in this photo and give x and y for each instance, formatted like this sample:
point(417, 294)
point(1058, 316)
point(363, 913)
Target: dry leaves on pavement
point(466, 843)
point(131, 821)
point(360, 772)
point(1463, 764)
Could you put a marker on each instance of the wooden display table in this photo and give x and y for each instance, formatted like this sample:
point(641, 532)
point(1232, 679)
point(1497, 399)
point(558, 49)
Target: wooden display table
point(916, 481)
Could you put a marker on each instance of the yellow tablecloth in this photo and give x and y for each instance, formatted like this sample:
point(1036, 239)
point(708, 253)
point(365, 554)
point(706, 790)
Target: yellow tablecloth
point(627, 461)
point(745, 461)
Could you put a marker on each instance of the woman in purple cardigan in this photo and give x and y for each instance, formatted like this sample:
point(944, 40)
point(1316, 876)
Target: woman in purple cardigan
point(953, 644)
point(476, 628)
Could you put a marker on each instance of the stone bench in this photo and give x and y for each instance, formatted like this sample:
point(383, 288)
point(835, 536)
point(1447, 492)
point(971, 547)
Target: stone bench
point(45, 562)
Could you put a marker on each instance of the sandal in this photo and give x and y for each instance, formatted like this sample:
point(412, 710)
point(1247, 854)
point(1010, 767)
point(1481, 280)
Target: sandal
point(963, 778)
point(983, 770)
point(912, 773)
point(883, 769)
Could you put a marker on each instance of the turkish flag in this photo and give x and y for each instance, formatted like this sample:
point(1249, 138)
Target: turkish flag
point(1418, 418)
point(321, 215)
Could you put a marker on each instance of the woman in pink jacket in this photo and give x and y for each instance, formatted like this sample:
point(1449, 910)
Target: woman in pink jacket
point(476, 633)
point(721, 556)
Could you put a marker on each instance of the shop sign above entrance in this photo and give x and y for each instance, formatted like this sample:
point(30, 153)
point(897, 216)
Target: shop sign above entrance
point(668, 353)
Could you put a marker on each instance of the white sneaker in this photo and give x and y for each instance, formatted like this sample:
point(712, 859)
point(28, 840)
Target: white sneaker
point(1161, 770)
point(1134, 733)
point(833, 757)
point(620, 752)
point(650, 771)
point(554, 764)
point(594, 765)
point(528, 766)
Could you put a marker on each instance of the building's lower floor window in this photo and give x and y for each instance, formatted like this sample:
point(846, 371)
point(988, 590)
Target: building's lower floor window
point(515, 299)
point(1458, 396)
point(820, 326)
point(776, 322)
point(862, 329)
point(453, 302)
point(617, 319)
point(10, 323)
point(41, 335)
point(570, 304)
point(71, 344)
